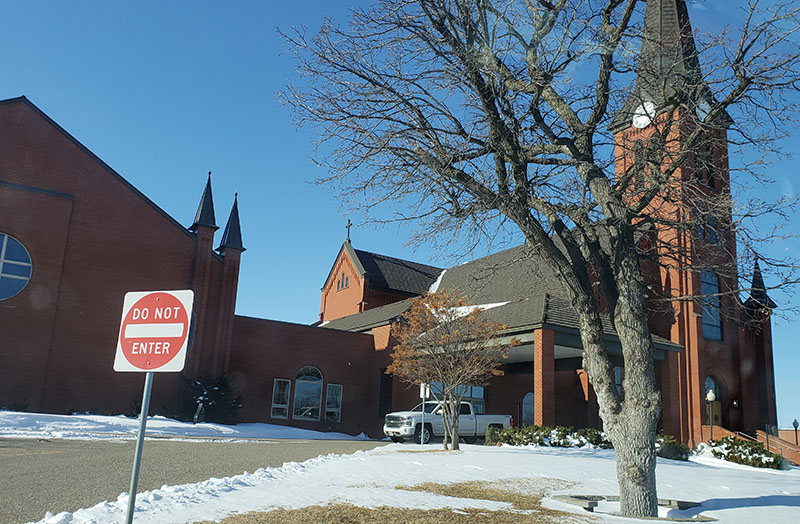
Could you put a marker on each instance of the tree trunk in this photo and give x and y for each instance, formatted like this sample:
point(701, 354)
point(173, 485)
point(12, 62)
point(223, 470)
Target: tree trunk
point(633, 430)
point(636, 463)
point(629, 420)
point(450, 407)
point(446, 421)
point(454, 426)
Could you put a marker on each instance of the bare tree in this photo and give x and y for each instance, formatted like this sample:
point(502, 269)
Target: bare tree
point(576, 124)
point(443, 338)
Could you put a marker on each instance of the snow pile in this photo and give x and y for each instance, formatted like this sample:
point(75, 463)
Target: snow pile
point(15, 424)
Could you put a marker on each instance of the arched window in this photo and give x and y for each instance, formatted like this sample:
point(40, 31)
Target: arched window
point(15, 266)
point(307, 394)
point(527, 409)
point(711, 385)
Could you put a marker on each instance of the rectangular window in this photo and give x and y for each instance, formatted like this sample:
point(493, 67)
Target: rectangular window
point(333, 403)
point(280, 398)
point(618, 375)
point(712, 317)
point(307, 399)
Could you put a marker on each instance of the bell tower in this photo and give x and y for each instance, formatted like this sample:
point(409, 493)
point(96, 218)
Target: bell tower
point(670, 119)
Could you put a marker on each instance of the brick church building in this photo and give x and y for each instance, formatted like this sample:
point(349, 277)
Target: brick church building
point(75, 236)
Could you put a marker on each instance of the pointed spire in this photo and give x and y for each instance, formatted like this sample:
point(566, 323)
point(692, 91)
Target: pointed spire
point(758, 291)
point(668, 65)
point(232, 236)
point(205, 211)
point(668, 56)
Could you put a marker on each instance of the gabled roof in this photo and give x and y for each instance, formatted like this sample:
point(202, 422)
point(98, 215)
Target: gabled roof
point(516, 288)
point(668, 63)
point(397, 274)
point(390, 273)
point(24, 100)
point(232, 236)
point(205, 211)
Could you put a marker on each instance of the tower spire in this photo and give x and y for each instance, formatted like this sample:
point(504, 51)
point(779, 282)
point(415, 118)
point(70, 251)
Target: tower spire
point(668, 69)
point(232, 236)
point(758, 291)
point(205, 211)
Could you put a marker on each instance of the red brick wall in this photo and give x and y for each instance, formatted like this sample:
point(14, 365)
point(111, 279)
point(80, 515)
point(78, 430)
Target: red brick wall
point(340, 301)
point(92, 238)
point(264, 350)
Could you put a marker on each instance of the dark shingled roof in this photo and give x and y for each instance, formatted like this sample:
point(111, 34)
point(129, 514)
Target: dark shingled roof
point(512, 274)
point(379, 316)
point(396, 274)
point(520, 290)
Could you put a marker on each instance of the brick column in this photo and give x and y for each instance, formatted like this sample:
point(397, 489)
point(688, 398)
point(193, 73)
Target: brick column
point(544, 391)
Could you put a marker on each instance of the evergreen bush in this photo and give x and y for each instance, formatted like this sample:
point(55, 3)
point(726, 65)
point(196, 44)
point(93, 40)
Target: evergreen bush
point(561, 436)
point(669, 447)
point(492, 437)
point(747, 452)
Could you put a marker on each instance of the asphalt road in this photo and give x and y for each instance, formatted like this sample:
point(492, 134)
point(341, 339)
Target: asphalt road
point(65, 475)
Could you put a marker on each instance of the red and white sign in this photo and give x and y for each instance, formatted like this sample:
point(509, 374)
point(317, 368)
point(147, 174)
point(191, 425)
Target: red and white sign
point(154, 331)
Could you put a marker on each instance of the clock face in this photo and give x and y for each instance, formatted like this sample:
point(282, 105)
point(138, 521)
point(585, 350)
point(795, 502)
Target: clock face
point(702, 109)
point(643, 115)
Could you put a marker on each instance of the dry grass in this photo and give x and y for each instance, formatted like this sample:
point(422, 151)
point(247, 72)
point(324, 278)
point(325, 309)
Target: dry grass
point(520, 497)
point(432, 451)
point(524, 495)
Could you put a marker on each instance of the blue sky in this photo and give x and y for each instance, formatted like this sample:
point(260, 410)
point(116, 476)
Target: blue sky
point(166, 91)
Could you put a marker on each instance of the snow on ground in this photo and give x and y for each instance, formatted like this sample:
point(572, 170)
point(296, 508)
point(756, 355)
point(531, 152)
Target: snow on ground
point(81, 426)
point(731, 493)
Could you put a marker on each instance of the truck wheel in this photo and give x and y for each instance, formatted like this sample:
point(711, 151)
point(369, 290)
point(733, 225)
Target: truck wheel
point(470, 440)
point(397, 439)
point(422, 436)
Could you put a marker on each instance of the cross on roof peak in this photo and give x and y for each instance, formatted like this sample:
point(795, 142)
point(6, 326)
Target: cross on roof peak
point(348, 226)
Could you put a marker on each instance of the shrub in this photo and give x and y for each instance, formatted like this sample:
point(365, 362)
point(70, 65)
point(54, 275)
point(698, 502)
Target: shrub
point(217, 397)
point(15, 406)
point(595, 437)
point(492, 437)
point(747, 452)
point(669, 447)
point(561, 436)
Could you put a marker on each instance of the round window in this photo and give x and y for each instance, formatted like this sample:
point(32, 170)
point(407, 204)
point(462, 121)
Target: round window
point(15, 266)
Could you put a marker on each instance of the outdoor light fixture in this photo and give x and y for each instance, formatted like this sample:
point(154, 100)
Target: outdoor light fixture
point(710, 398)
point(734, 403)
point(795, 424)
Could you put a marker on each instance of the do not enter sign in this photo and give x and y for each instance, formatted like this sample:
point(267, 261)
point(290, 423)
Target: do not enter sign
point(154, 331)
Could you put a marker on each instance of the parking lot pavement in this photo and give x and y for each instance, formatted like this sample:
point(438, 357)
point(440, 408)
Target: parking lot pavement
point(37, 476)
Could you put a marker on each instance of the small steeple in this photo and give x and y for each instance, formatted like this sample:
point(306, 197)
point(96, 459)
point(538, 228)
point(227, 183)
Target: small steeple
point(205, 211)
point(232, 236)
point(758, 292)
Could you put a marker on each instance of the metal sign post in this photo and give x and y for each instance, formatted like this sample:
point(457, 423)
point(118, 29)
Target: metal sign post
point(137, 457)
point(153, 336)
point(424, 393)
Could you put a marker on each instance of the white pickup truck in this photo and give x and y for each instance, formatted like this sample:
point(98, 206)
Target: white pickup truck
point(402, 425)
